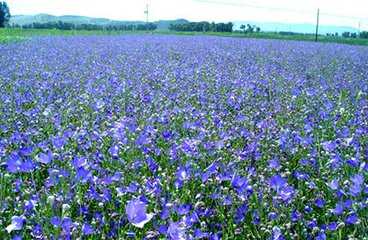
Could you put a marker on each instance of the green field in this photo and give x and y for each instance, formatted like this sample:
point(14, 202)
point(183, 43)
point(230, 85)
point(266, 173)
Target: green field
point(10, 35)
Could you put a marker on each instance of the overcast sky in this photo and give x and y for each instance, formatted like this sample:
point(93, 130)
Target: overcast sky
point(290, 11)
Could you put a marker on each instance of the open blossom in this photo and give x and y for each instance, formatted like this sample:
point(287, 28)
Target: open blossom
point(87, 229)
point(45, 158)
point(176, 231)
point(17, 223)
point(136, 212)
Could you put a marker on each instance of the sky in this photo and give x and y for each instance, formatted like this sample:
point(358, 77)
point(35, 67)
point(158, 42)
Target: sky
point(333, 12)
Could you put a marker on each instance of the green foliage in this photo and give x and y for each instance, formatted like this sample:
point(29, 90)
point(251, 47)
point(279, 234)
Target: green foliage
point(250, 28)
point(16, 34)
point(90, 27)
point(202, 27)
point(4, 14)
point(349, 35)
point(364, 35)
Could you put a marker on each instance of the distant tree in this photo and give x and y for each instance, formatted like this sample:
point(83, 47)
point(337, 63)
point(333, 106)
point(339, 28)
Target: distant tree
point(250, 28)
point(229, 27)
point(202, 27)
point(346, 34)
point(213, 27)
point(90, 27)
point(258, 29)
point(4, 14)
point(363, 34)
point(242, 27)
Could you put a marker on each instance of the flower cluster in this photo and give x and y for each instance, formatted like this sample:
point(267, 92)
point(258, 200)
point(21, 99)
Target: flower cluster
point(172, 137)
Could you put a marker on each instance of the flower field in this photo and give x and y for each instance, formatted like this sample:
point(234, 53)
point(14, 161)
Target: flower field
point(183, 137)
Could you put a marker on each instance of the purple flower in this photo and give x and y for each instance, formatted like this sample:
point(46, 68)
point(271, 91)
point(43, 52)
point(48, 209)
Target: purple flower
point(13, 163)
point(272, 216)
point(240, 213)
point(321, 236)
point(59, 142)
point(332, 226)
point(87, 229)
point(83, 175)
point(339, 209)
point(352, 219)
point(198, 234)
point(27, 166)
point(176, 231)
point(274, 163)
point(209, 171)
point(286, 193)
point(277, 234)
point(240, 184)
point(55, 221)
point(183, 209)
point(67, 224)
point(79, 162)
point(16, 224)
point(329, 146)
point(356, 186)
point(182, 174)
point(277, 182)
point(295, 216)
point(136, 212)
point(334, 184)
point(45, 158)
point(319, 202)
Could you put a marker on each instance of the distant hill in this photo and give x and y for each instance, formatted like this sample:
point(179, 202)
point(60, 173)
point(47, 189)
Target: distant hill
point(164, 24)
point(296, 27)
point(44, 18)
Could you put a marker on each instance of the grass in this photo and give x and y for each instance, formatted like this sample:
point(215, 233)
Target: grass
point(11, 35)
point(274, 35)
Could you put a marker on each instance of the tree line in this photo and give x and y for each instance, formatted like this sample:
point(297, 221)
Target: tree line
point(71, 26)
point(4, 14)
point(363, 34)
point(202, 27)
point(250, 28)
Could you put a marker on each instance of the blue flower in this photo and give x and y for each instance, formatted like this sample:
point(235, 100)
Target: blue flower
point(176, 231)
point(319, 202)
point(329, 146)
point(332, 226)
point(16, 224)
point(356, 186)
point(286, 193)
point(277, 182)
point(274, 163)
point(339, 209)
point(334, 184)
point(87, 229)
point(321, 236)
point(67, 224)
point(45, 158)
point(55, 221)
point(352, 219)
point(136, 212)
point(277, 234)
